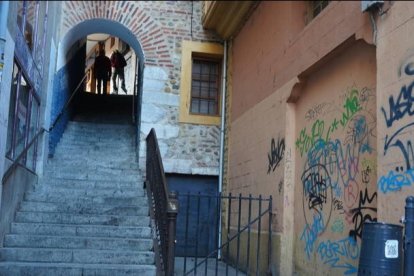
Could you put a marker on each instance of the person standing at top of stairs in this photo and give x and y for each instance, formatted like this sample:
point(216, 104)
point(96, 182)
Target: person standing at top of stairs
point(118, 62)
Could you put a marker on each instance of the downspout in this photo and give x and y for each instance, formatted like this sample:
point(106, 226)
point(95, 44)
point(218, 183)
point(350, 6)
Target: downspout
point(222, 129)
point(4, 10)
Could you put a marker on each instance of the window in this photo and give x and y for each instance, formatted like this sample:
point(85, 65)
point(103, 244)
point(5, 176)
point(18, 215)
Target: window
point(200, 83)
point(205, 86)
point(23, 118)
point(318, 6)
point(32, 22)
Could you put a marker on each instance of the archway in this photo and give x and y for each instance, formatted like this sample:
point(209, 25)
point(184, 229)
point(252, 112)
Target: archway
point(65, 57)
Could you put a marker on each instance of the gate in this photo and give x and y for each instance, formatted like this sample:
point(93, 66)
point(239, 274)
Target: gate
point(240, 246)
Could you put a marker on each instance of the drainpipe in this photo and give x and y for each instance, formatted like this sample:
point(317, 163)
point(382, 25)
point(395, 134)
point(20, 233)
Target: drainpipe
point(4, 10)
point(222, 129)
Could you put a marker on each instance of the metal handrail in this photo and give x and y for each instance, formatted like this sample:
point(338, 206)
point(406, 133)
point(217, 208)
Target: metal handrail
point(16, 161)
point(67, 103)
point(163, 207)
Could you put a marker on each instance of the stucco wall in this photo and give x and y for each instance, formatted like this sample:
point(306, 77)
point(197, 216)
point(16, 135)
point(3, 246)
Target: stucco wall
point(275, 45)
point(335, 142)
point(395, 54)
point(303, 100)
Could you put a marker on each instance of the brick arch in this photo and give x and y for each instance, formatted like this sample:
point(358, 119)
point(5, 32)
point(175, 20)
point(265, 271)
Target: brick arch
point(134, 15)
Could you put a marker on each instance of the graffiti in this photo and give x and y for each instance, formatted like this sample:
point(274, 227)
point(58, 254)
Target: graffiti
point(333, 202)
point(280, 188)
point(338, 206)
point(351, 107)
point(310, 233)
point(365, 174)
point(276, 154)
point(399, 107)
point(358, 218)
point(315, 112)
point(368, 163)
point(337, 226)
point(317, 194)
point(337, 254)
point(340, 161)
point(351, 194)
point(406, 149)
point(393, 182)
point(318, 131)
point(305, 141)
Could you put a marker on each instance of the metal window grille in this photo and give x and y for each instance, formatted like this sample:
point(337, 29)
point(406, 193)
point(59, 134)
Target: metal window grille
point(318, 6)
point(205, 86)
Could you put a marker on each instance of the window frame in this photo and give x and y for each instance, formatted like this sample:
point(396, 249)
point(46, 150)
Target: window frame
point(211, 60)
point(33, 98)
point(208, 50)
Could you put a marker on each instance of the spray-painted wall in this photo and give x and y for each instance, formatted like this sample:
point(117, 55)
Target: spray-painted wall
point(335, 191)
point(395, 57)
point(303, 129)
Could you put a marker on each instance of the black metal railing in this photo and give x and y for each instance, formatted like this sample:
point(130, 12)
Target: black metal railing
point(239, 245)
point(163, 207)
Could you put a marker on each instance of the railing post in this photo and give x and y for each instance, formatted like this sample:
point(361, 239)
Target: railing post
point(172, 211)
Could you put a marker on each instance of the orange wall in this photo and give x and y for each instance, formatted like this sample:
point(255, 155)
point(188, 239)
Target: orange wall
point(292, 86)
point(335, 143)
point(275, 45)
point(395, 57)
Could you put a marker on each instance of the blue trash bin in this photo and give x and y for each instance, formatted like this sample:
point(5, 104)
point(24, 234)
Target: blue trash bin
point(381, 249)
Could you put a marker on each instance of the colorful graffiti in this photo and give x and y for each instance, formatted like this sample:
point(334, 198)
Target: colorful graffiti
point(338, 180)
point(399, 108)
point(333, 253)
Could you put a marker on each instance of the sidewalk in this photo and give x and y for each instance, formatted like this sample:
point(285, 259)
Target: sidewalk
point(211, 267)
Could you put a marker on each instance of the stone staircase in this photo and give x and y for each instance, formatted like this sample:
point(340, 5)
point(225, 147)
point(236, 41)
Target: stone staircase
point(88, 215)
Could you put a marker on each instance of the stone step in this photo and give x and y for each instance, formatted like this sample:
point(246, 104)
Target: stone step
point(81, 230)
point(74, 242)
point(85, 127)
point(65, 149)
point(31, 206)
point(87, 191)
point(51, 182)
point(117, 162)
point(90, 219)
point(99, 170)
point(51, 196)
point(98, 135)
point(110, 174)
point(108, 156)
point(93, 164)
point(66, 269)
point(94, 148)
point(111, 140)
point(80, 256)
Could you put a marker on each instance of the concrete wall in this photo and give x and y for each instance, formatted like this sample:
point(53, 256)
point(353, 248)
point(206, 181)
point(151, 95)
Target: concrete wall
point(159, 28)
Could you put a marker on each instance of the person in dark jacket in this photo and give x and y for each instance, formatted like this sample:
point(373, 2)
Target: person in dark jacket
point(118, 63)
point(102, 68)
